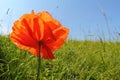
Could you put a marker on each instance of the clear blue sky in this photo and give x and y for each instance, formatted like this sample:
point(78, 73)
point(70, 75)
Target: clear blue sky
point(85, 18)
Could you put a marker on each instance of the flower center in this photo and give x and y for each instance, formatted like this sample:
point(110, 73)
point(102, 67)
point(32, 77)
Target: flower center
point(40, 43)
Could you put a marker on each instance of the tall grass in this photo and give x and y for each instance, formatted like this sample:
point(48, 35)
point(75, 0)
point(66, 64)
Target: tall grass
point(75, 60)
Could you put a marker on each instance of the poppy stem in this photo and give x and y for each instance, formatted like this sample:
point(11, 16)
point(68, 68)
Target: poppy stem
point(39, 62)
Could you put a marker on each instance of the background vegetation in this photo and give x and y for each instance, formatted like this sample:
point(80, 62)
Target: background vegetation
point(75, 60)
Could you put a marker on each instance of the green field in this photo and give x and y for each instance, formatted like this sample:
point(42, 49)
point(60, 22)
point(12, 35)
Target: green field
point(75, 60)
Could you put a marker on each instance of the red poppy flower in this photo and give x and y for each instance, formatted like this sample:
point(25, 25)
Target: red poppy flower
point(41, 28)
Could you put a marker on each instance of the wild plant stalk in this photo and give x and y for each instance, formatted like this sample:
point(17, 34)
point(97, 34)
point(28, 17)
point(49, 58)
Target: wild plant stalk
point(104, 50)
point(39, 62)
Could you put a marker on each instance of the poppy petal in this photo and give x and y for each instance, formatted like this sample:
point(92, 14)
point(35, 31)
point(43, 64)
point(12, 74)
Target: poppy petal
point(38, 29)
point(46, 52)
point(48, 19)
point(61, 35)
point(49, 37)
point(34, 25)
point(21, 36)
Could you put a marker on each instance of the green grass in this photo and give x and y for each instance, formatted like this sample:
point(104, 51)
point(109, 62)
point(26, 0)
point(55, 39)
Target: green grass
point(75, 60)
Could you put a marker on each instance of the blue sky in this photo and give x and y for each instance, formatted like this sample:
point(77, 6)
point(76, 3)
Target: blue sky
point(86, 19)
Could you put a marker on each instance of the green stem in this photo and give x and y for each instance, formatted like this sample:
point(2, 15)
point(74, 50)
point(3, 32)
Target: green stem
point(39, 62)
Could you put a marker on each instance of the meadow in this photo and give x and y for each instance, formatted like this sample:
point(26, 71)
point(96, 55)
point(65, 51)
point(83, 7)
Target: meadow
point(75, 60)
